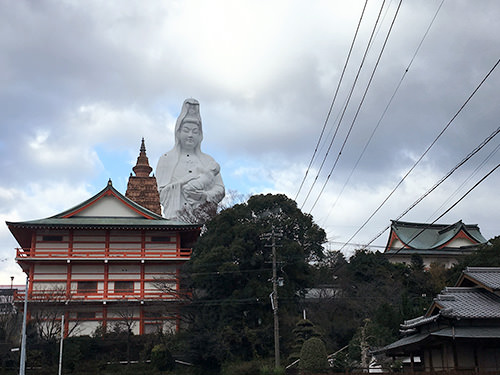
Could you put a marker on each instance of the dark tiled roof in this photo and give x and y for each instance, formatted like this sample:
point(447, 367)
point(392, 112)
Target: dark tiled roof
point(460, 302)
point(405, 341)
point(399, 346)
point(433, 236)
point(408, 324)
point(486, 276)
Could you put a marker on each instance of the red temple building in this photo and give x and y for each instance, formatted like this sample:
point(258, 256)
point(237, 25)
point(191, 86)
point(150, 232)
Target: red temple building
point(112, 261)
point(443, 244)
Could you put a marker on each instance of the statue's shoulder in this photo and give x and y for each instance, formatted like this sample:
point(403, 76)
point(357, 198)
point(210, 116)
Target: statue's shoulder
point(208, 160)
point(167, 156)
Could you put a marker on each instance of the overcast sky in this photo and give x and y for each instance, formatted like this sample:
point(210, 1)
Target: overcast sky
point(81, 82)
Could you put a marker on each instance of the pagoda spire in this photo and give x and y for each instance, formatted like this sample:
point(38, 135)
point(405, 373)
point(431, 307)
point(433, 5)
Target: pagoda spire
point(142, 187)
point(142, 168)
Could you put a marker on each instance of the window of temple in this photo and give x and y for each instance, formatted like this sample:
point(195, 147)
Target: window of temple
point(124, 286)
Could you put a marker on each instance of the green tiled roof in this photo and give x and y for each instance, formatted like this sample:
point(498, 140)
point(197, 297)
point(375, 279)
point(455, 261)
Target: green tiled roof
point(423, 236)
point(108, 222)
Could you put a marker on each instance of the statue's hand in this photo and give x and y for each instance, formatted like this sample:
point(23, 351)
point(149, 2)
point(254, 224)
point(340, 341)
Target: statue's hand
point(196, 194)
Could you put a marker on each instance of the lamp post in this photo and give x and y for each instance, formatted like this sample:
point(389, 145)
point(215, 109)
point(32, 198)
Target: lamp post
point(22, 360)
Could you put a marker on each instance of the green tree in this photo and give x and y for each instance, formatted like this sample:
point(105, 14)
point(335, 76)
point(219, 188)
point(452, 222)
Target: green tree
point(230, 271)
point(313, 358)
point(487, 255)
point(161, 358)
point(303, 331)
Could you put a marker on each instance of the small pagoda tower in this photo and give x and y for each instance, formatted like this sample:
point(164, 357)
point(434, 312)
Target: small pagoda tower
point(142, 187)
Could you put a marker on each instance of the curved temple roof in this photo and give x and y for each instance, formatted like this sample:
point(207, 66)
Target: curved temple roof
point(432, 236)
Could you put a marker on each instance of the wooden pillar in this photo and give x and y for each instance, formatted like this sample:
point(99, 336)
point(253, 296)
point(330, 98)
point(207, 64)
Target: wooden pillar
point(68, 279)
point(141, 320)
point(476, 359)
point(31, 281)
point(106, 280)
point(33, 243)
point(455, 357)
point(104, 317)
point(70, 243)
point(106, 244)
point(143, 244)
point(178, 281)
point(142, 281)
point(178, 244)
point(66, 323)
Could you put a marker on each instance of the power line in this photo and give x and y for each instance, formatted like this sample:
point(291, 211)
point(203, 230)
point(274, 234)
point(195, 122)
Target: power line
point(333, 100)
point(385, 111)
point(490, 155)
point(359, 106)
point(346, 104)
point(448, 210)
point(426, 151)
point(444, 178)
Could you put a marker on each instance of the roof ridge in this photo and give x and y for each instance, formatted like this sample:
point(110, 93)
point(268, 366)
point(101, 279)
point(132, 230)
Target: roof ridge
point(482, 269)
point(108, 188)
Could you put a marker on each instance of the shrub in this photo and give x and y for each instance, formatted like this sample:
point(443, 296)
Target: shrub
point(161, 358)
point(313, 357)
point(241, 368)
point(271, 370)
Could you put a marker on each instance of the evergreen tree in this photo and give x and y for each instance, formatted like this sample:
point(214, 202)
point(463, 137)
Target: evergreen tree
point(230, 271)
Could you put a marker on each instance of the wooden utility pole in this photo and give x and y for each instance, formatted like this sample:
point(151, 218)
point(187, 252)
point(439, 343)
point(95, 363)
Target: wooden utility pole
point(274, 297)
point(275, 310)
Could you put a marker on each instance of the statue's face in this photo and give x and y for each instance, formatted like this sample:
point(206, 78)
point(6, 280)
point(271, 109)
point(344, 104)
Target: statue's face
point(189, 136)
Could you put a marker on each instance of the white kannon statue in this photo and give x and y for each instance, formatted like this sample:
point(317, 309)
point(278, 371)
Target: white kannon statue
point(188, 179)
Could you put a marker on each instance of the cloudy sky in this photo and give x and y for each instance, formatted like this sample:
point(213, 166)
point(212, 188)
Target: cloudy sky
point(81, 82)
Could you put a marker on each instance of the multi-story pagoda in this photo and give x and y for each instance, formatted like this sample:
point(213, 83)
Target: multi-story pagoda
point(106, 262)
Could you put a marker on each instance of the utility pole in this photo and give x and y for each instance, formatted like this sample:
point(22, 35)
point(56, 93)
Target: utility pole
point(275, 310)
point(22, 360)
point(61, 345)
point(274, 297)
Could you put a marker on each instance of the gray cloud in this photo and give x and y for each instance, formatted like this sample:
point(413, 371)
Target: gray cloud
point(81, 83)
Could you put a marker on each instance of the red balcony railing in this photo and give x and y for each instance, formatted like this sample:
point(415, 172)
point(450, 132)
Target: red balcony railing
point(23, 253)
point(75, 296)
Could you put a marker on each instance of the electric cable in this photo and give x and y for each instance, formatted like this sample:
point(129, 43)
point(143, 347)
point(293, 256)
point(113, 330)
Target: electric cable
point(333, 100)
point(490, 155)
point(384, 112)
point(445, 212)
point(444, 178)
point(426, 151)
point(359, 106)
point(346, 105)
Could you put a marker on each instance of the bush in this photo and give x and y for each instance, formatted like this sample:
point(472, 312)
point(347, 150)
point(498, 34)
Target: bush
point(161, 358)
point(313, 357)
point(271, 370)
point(241, 368)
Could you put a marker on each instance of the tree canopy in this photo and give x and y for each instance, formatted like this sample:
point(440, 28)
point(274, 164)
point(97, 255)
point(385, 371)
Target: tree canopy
point(230, 274)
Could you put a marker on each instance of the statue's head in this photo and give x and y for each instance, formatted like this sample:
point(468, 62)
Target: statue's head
point(188, 130)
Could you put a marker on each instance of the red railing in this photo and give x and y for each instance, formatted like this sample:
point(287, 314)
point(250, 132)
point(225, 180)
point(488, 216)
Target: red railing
point(112, 254)
point(60, 296)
